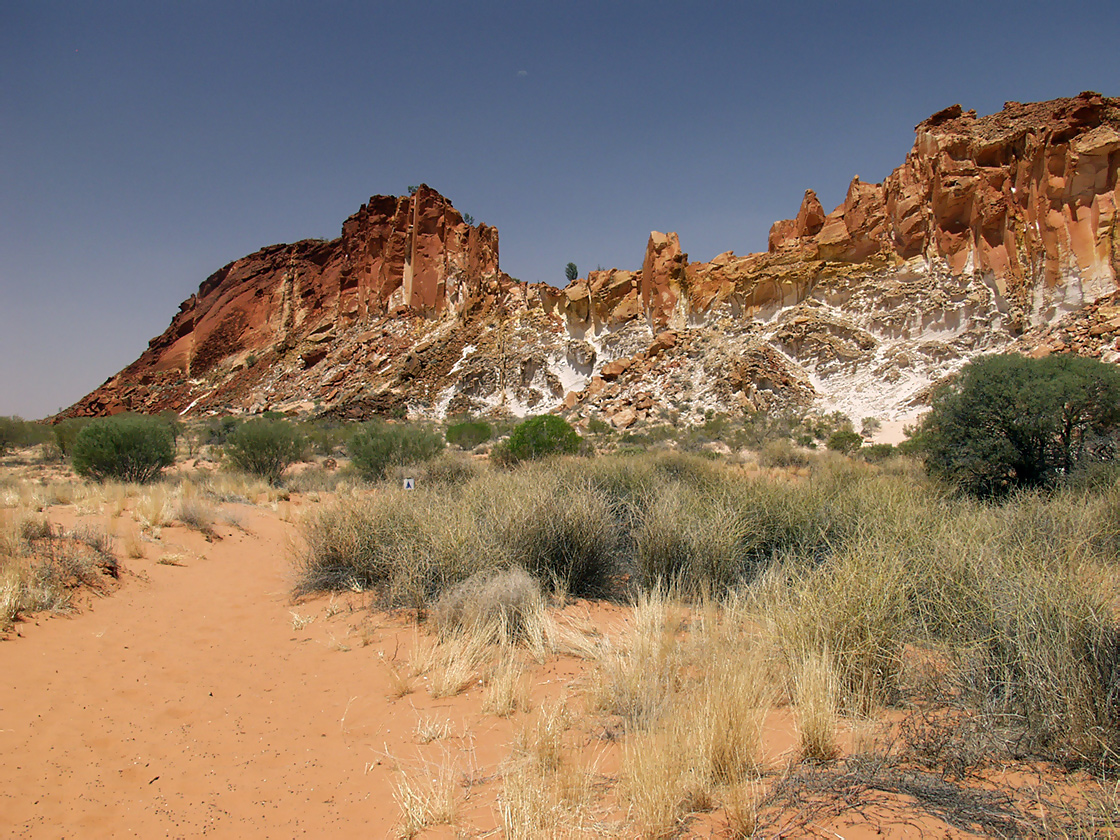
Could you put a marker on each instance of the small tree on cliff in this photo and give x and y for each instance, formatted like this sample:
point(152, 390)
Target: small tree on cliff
point(571, 272)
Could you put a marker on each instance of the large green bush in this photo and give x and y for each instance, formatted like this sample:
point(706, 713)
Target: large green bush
point(127, 447)
point(1010, 422)
point(377, 446)
point(539, 436)
point(265, 447)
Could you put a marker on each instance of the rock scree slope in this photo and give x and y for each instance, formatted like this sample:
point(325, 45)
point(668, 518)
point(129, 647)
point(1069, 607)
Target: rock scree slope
point(996, 233)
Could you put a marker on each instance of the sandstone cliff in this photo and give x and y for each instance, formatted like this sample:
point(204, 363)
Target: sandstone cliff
point(996, 232)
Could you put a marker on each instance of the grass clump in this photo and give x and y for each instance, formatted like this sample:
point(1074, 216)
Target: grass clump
point(42, 567)
point(509, 600)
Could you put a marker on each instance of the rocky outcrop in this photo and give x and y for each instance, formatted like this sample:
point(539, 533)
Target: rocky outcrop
point(997, 232)
point(1027, 197)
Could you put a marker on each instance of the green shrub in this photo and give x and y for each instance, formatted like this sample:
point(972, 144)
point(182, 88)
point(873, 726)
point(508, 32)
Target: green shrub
point(1010, 422)
point(10, 430)
point(127, 447)
point(66, 432)
point(844, 440)
point(218, 430)
point(469, 433)
point(325, 437)
point(539, 436)
point(265, 447)
point(377, 446)
point(876, 452)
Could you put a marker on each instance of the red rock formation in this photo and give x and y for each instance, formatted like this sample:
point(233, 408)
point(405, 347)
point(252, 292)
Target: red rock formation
point(992, 226)
point(1028, 195)
point(396, 256)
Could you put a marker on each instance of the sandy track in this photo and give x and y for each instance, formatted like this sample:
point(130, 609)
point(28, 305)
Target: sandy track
point(185, 704)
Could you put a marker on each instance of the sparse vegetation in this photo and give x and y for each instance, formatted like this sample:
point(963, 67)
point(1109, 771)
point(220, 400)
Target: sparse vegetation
point(822, 586)
point(42, 566)
point(847, 572)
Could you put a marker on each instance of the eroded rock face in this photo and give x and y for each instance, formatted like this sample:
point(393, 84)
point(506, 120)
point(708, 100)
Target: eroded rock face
point(1027, 197)
point(997, 232)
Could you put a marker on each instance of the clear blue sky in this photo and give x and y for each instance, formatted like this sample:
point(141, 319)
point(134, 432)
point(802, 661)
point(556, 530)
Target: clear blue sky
point(144, 145)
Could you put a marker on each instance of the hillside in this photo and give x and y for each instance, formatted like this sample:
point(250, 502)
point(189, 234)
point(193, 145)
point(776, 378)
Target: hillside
point(997, 232)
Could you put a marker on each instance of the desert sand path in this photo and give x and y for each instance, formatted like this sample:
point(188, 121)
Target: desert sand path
point(185, 704)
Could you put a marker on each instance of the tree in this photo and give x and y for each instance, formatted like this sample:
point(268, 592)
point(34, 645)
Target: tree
point(127, 447)
point(1009, 421)
point(539, 436)
point(265, 447)
point(11, 433)
point(571, 272)
point(845, 440)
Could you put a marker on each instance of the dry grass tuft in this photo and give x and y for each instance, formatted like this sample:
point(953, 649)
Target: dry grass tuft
point(638, 677)
point(153, 509)
point(430, 729)
point(194, 511)
point(400, 678)
point(815, 690)
point(457, 662)
point(547, 791)
point(41, 567)
point(133, 544)
point(300, 621)
point(425, 800)
point(509, 601)
point(506, 691)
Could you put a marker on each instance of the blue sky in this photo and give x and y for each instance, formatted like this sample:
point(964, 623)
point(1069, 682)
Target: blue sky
point(145, 145)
